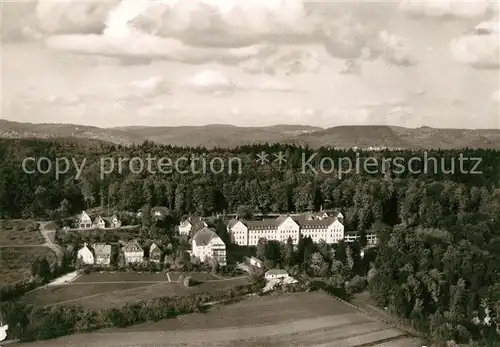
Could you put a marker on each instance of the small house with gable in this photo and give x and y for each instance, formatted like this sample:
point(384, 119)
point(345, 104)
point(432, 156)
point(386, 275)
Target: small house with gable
point(133, 252)
point(85, 255)
point(84, 221)
point(102, 253)
point(154, 253)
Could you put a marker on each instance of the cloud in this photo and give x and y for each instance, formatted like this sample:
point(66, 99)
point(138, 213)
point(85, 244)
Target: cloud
point(496, 96)
point(149, 87)
point(159, 29)
point(274, 86)
point(211, 81)
point(394, 50)
point(219, 84)
point(139, 45)
point(447, 8)
point(481, 49)
point(287, 60)
point(73, 16)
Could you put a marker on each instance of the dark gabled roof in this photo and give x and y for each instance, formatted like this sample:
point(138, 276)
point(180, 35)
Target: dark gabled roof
point(132, 246)
point(102, 249)
point(314, 223)
point(277, 272)
point(265, 224)
point(204, 236)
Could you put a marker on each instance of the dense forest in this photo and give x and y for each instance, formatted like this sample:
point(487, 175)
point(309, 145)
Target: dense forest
point(438, 263)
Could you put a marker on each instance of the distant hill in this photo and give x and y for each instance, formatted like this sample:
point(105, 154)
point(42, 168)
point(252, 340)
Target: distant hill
point(224, 135)
point(399, 137)
point(10, 129)
point(217, 135)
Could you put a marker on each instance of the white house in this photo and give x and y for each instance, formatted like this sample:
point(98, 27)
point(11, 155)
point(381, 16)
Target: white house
point(207, 244)
point(154, 253)
point(133, 252)
point(248, 233)
point(84, 221)
point(85, 255)
point(191, 224)
point(256, 262)
point(102, 253)
point(99, 223)
point(276, 273)
point(371, 238)
point(114, 222)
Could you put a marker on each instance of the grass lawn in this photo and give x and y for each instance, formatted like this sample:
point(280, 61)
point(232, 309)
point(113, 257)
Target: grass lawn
point(197, 276)
point(122, 277)
point(95, 291)
point(15, 263)
point(65, 293)
point(19, 232)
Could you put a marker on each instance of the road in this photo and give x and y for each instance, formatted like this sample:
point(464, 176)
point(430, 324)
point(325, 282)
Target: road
point(46, 234)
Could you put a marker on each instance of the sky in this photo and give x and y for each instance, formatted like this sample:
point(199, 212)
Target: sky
point(252, 63)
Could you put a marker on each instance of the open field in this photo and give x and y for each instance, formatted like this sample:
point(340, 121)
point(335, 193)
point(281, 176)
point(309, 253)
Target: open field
point(122, 277)
point(15, 263)
point(299, 319)
point(105, 290)
point(19, 232)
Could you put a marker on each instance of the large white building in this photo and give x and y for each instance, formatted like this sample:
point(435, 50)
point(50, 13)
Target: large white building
point(318, 226)
point(207, 244)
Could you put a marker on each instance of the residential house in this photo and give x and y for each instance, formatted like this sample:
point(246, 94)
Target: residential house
point(99, 223)
point(159, 212)
point(191, 225)
point(114, 222)
point(248, 233)
point(351, 236)
point(133, 252)
point(207, 244)
point(275, 274)
point(84, 221)
point(256, 262)
point(371, 238)
point(102, 253)
point(85, 255)
point(154, 253)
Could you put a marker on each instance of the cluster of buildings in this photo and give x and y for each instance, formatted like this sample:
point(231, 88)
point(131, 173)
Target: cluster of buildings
point(85, 222)
point(100, 253)
point(317, 226)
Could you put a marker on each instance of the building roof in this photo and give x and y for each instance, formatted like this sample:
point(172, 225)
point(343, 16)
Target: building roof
point(154, 248)
point(276, 272)
point(83, 215)
point(232, 222)
point(256, 259)
point(102, 250)
point(98, 219)
point(204, 236)
point(303, 222)
point(161, 209)
point(132, 246)
point(264, 224)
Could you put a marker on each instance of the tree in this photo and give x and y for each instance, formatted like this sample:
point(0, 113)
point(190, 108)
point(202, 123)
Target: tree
point(41, 268)
point(245, 212)
point(261, 249)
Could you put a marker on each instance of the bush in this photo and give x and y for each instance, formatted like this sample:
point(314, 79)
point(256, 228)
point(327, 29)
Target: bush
point(357, 284)
point(188, 281)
